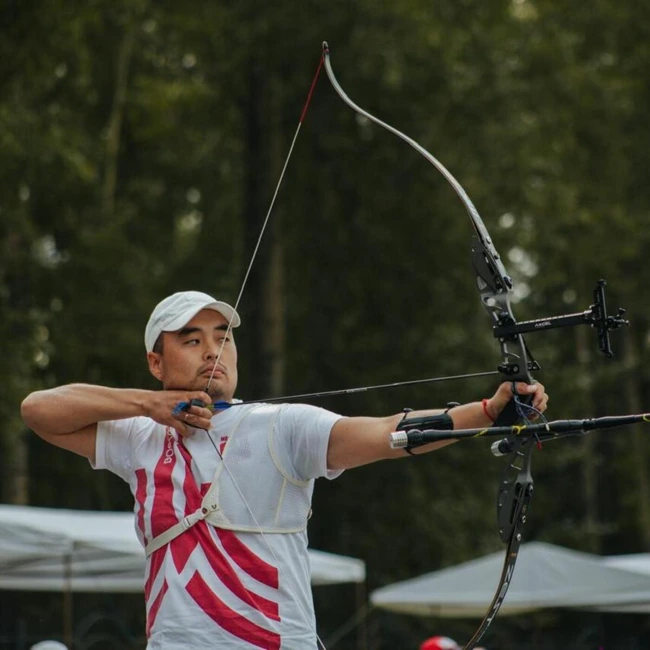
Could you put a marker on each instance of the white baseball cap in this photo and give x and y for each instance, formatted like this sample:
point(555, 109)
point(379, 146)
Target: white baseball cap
point(49, 645)
point(177, 310)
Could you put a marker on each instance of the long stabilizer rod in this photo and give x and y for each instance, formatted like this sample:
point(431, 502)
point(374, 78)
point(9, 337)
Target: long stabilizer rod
point(542, 431)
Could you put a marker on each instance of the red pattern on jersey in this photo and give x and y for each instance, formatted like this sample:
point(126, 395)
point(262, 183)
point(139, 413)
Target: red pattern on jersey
point(202, 534)
point(240, 554)
point(155, 562)
point(140, 496)
point(222, 444)
point(163, 515)
point(228, 619)
point(223, 568)
point(255, 566)
point(155, 607)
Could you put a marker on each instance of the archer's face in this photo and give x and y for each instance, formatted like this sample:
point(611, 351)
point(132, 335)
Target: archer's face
point(189, 356)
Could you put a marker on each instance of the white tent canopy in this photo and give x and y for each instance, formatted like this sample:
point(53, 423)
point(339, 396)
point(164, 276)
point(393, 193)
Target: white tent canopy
point(45, 549)
point(637, 563)
point(545, 576)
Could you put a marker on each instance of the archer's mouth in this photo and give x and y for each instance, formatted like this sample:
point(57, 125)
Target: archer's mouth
point(213, 372)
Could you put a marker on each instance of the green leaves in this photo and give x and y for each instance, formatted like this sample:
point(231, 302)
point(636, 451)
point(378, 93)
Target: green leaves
point(117, 188)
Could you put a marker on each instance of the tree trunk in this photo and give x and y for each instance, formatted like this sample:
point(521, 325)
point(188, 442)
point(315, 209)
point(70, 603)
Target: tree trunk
point(273, 341)
point(15, 481)
point(116, 117)
point(253, 362)
point(263, 303)
point(589, 445)
point(639, 447)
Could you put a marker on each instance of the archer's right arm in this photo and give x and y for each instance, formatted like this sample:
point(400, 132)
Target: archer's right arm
point(67, 416)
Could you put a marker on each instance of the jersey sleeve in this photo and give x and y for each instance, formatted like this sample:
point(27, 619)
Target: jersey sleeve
point(301, 441)
point(115, 446)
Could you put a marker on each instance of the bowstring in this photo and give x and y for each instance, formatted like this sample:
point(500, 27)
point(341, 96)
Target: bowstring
point(229, 330)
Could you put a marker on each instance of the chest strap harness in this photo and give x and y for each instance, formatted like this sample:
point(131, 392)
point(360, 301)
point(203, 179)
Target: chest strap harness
point(184, 524)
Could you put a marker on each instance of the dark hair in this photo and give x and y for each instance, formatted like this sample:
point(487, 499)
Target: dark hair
point(158, 345)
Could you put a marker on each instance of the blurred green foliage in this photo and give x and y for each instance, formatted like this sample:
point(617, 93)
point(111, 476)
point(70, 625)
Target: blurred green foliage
point(140, 143)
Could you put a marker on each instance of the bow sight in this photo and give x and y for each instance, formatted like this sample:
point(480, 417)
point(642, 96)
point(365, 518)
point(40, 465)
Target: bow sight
point(596, 316)
point(495, 287)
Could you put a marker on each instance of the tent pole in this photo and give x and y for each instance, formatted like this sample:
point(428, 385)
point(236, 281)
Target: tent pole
point(67, 600)
point(362, 604)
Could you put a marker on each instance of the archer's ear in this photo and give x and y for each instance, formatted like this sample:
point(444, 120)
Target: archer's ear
point(155, 365)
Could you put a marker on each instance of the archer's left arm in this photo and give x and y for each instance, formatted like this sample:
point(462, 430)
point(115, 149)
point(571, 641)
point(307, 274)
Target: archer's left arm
point(358, 441)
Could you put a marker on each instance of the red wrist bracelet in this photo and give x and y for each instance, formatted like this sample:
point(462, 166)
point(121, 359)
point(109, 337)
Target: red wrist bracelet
point(485, 410)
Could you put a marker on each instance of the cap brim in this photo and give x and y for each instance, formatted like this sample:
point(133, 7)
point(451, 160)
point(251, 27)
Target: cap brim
point(221, 307)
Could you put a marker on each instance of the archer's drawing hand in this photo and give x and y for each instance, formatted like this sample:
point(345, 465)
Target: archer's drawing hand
point(504, 394)
point(162, 408)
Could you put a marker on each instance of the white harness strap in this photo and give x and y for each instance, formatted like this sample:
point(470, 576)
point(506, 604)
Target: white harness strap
point(172, 533)
point(208, 506)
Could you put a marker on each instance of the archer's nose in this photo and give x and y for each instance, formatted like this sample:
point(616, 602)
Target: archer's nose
point(212, 350)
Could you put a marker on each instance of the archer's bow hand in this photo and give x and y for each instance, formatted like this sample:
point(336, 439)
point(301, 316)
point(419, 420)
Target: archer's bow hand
point(505, 394)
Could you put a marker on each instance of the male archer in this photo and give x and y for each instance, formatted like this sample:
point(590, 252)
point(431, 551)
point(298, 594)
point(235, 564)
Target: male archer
point(223, 490)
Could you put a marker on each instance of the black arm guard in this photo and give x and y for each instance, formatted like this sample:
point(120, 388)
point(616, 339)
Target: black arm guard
point(440, 421)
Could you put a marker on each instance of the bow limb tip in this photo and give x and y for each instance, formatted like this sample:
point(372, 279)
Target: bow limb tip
point(326, 48)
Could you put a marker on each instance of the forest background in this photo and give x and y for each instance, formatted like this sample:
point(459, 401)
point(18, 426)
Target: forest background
point(140, 144)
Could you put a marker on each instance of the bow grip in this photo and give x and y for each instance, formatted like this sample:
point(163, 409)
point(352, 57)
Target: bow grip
point(510, 415)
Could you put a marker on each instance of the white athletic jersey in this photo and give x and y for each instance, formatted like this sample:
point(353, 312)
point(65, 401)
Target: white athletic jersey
point(218, 587)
